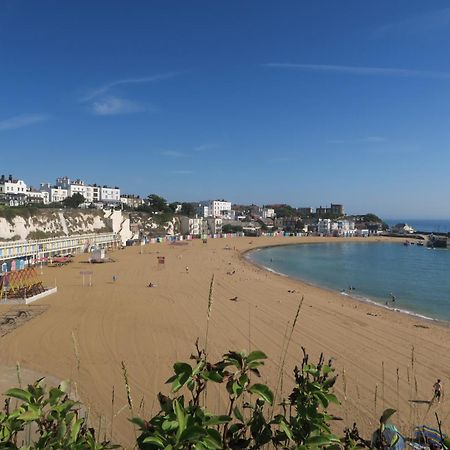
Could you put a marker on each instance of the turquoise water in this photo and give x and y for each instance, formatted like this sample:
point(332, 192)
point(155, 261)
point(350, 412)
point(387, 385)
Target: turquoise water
point(418, 277)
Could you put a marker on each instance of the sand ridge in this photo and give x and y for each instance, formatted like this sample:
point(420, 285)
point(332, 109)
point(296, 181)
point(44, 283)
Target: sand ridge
point(150, 328)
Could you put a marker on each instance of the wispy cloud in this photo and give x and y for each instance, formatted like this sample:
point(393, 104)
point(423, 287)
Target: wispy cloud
point(368, 140)
point(109, 106)
point(181, 172)
point(206, 147)
point(428, 22)
point(174, 154)
point(23, 120)
point(360, 70)
point(102, 90)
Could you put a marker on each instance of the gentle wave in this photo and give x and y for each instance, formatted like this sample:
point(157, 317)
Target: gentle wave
point(418, 278)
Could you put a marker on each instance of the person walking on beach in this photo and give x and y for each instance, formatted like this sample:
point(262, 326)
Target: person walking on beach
point(437, 388)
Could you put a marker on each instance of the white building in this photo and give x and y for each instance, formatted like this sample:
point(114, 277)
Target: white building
point(267, 213)
point(34, 196)
point(403, 228)
point(110, 194)
point(193, 226)
point(345, 228)
point(53, 194)
point(92, 193)
point(134, 201)
point(12, 186)
point(202, 210)
point(215, 208)
point(78, 187)
point(219, 208)
point(324, 226)
point(12, 191)
point(214, 225)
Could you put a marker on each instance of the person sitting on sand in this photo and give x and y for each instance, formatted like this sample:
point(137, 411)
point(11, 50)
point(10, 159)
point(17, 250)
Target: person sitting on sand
point(437, 388)
point(151, 284)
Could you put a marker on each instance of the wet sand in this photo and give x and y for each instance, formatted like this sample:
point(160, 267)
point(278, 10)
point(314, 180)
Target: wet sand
point(151, 328)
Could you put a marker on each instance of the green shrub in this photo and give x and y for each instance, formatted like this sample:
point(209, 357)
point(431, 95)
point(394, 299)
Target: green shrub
point(52, 418)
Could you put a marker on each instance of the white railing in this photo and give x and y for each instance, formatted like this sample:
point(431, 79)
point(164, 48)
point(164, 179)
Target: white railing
point(49, 246)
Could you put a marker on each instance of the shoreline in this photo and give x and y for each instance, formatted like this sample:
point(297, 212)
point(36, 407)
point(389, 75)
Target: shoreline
point(362, 299)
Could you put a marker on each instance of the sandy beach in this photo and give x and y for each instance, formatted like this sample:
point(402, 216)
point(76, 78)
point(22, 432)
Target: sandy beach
point(384, 358)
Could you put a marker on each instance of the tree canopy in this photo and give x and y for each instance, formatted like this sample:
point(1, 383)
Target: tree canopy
point(74, 201)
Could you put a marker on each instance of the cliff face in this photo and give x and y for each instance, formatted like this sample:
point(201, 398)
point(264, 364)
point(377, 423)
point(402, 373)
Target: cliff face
point(31, 223)
point(28, 224)
point(144, 224)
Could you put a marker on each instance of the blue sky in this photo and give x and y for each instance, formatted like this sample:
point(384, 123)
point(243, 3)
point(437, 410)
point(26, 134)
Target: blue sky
point(296, 101)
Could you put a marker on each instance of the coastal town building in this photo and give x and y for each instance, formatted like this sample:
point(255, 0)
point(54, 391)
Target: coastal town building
point(334, 209)
point(403, 228)
point(12, 191)
point(195, 226)
point(93, 193)
point(215, 208)
point(132, 201)
point(34, 197)
point(11, 185)
point(110, 194)
point(267, 213)
point(199, 226)
point(324, 227)
point(54, 194)
point(305, 211)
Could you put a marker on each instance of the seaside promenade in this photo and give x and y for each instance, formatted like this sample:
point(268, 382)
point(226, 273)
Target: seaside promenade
point(383, 358)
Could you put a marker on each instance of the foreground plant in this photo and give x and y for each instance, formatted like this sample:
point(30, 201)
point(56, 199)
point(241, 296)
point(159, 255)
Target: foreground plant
point(184, 422)
point(50, 419)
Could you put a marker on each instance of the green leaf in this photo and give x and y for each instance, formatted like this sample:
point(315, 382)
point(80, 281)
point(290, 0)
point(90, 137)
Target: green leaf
point(65, 386)
point(183, 373)
point(154, 440)
point(138, 421)
point(237, 389)
point(243, 380)
point(192, 434)
point(255, 356)
point(213, 376)
point(54, 395)
point(20, 394)
point(198, 368)
point(217, 420)
point(30, 415)
point(263, 392)
point(182, 368)
point(238, 414)
point(169, 425)
point(387, 414)
point(181, 417)
point(213, 439)
point(287, 429)
point(75, 430)
point(322, 399)
point(324, 439)
point(332, 399)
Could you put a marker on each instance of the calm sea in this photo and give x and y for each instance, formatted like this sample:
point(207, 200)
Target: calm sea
point(418, 277)
point(436, 226)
